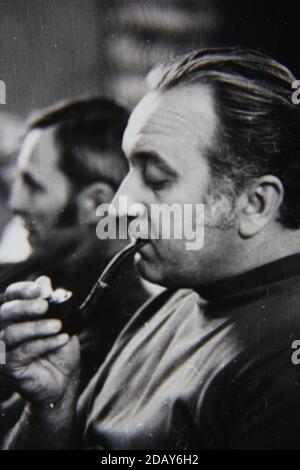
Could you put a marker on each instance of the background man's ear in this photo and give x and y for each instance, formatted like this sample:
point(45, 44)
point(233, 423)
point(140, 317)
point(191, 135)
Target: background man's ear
point(259, 205)
point(90, 198)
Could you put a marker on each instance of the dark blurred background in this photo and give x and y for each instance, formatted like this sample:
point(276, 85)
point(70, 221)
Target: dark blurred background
point(55, 49)
point(52, 49)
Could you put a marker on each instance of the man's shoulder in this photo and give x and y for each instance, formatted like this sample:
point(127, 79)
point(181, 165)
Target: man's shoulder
point(170, 299)
point(167, 301)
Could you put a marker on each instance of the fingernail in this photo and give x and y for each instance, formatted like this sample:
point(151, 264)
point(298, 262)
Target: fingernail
point(54, 325)
point(63, 338)
point(44, 285)
point(41, 306)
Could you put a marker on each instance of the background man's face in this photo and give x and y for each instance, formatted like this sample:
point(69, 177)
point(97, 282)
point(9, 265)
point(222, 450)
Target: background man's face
point(41, 190)
point(166, 141)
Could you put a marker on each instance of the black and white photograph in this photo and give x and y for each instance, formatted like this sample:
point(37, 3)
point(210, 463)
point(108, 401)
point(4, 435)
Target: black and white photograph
point(149, 227)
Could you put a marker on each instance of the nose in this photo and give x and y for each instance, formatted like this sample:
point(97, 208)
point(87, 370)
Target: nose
point(127, 204)
point(16, 200)
point(128, 200)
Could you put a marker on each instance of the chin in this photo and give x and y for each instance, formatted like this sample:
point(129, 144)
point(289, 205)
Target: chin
point(157, 274)
point(34, 240)
point(149, 271)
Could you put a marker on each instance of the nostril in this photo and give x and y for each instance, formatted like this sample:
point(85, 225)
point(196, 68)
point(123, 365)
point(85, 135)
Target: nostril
point(130, 219)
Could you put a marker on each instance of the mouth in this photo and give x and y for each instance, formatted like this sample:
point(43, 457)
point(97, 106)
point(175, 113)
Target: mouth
point(30, 227)
point(144, 248)
point(139, 242)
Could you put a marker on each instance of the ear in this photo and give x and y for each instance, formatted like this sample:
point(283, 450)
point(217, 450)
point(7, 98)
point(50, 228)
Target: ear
point(92, 197)
point(259, 205)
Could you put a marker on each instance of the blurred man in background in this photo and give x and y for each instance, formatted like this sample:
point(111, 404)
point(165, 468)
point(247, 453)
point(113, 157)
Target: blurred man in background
point(211, 367)
point(10, 136)
point(71, 162)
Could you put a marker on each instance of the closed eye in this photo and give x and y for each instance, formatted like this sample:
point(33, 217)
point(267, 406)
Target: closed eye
point(156, 173)
point(32, 183)
point(155, 179)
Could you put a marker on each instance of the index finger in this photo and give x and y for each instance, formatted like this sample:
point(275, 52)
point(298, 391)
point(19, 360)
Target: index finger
point(25, 290)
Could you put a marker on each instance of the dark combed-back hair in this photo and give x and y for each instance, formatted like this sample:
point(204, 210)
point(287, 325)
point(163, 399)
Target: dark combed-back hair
point(259, 126)
point(95, 123)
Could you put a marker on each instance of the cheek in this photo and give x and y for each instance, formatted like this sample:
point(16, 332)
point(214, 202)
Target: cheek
point(56, 196)
point(191, 187)
point(48, 208)
point(172, 266)
point(171, 251)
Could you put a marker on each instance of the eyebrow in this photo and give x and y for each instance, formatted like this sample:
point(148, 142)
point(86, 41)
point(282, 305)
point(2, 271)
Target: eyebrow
point(143, 157)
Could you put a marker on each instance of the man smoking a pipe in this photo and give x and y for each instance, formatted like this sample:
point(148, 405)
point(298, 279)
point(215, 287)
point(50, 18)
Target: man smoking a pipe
point(207, 364)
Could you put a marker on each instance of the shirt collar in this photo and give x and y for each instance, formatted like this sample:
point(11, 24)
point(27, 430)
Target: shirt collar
point(261, 276)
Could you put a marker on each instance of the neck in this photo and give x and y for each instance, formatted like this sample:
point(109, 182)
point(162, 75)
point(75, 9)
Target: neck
point(249, 254)
point(269, 246)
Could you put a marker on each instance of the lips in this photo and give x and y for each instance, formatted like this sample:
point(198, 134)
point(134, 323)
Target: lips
point(29, 226)
point(145, 248)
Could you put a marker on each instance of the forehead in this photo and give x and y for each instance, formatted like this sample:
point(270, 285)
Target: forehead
point(39, 149)
point(181, 116)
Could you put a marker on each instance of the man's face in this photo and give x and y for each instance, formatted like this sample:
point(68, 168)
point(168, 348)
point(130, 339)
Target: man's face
point(41, 191)
point(166, 143)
